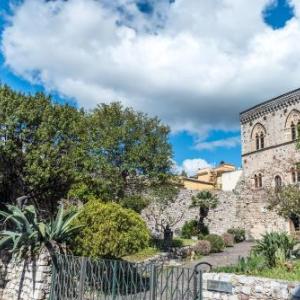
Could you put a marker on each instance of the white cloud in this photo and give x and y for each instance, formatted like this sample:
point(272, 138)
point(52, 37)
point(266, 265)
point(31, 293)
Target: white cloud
point(191, 166)
point(223, 143)
point(195, 64)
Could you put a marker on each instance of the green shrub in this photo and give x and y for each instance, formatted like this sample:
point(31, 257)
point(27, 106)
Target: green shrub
point(228, 239)
point(238, 233)
point(202, 247)
point(247, 265)
point(216, 241)
point(189, 229)
point(109, 231)
point(275, 246)
point(136, 203)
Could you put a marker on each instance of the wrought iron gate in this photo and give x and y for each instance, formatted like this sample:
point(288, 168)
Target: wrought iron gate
point(81, 278)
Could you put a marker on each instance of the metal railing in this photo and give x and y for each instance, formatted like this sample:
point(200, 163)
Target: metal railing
point(81, 278)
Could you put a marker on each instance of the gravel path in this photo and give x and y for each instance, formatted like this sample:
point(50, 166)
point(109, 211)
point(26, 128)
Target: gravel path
point(228, 257)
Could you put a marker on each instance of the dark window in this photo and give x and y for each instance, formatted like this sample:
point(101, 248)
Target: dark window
point(293, 131)
point(262, 141)
point(293, 176)
point(259, 180)
point(256, 181)
point(257, 142)
point(278, 182)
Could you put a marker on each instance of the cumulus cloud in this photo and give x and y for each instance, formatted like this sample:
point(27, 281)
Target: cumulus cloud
point(222, 143)
point(191, 166)
point(193, 63)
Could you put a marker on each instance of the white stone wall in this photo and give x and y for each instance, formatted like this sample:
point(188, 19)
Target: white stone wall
point(28, 280)
point(219, 220)
point(250, 288)
point(229, 180)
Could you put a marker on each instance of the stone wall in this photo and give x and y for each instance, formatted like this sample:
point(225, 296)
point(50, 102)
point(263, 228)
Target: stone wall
point(179, 212)
point(243, 207)
point(4, 260)
point(250, 288)
point(26, 281)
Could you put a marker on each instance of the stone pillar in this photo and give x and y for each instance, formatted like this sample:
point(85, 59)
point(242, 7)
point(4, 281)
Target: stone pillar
point(28, 280)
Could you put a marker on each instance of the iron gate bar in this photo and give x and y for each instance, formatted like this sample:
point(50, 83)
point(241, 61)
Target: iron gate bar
point(82, 278)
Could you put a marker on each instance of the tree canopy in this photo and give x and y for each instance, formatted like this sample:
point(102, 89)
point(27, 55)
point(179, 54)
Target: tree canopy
point(49, 151)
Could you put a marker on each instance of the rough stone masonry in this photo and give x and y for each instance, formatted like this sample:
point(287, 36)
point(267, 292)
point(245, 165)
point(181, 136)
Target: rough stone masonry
point(270, 159)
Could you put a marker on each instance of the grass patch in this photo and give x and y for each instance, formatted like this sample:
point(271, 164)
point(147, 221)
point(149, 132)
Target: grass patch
point(256, 267)
point(142, 255)
point(184, 242)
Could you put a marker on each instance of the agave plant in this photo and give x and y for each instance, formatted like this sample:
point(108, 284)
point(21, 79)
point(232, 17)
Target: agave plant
point(275, 246)
point(28, 235)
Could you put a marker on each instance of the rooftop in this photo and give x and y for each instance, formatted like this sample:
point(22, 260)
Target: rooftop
point(270, 105)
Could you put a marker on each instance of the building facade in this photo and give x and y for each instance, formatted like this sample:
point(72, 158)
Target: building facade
point(270, 154)
point(209, 178)
point(269, 142)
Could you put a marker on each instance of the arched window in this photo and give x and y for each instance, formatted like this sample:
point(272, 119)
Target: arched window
point(262, 141)
point(278, 182)
point(293, 131)
point(257, 141)
point(258, 136)
point(292, 124)
point(255, 181)
point(259, 180)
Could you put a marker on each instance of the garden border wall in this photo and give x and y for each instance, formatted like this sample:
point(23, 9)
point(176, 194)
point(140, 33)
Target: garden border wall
point(250, 288)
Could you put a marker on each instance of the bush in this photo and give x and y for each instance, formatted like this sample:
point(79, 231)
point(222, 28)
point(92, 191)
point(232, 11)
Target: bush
point(238, 233)
point(136, 203)
point(228, 239)
point(247, 265)
point(189, 229)
point(109, 231)
point(216, 241)
point(202, 247)
point(275, 247)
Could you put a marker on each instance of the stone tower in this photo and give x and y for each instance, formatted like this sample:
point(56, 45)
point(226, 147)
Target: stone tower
point(270, 159)
point(269, 142)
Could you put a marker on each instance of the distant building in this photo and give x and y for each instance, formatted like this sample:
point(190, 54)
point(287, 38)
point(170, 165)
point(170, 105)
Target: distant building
point(211, 178)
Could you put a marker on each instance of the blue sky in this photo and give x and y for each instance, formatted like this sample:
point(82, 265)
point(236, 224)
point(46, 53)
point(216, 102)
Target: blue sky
point(211, 138)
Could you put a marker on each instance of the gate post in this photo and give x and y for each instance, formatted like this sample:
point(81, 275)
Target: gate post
point(198, 273)
point(82, 278)
point(153, 282)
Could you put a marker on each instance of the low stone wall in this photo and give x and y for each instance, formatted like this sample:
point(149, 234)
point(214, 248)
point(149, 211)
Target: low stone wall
point(249, 288)
point(27, 280)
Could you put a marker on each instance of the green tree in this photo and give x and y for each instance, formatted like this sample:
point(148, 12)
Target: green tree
point(205, 201)
point(286, 201)
point(128, 152)
point(161, 199)
point(40, 148)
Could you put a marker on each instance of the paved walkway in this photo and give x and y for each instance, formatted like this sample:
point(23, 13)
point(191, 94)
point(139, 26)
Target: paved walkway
point(228, 257)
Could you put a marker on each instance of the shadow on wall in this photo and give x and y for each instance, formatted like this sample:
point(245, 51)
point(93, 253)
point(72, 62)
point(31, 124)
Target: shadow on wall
point(296, 294)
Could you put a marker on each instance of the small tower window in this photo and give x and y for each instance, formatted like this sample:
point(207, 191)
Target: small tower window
point(255, 181)
point(262, 141)
point(293, 131)
point(257, 141)
point(293, 175)
point(259, 180)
